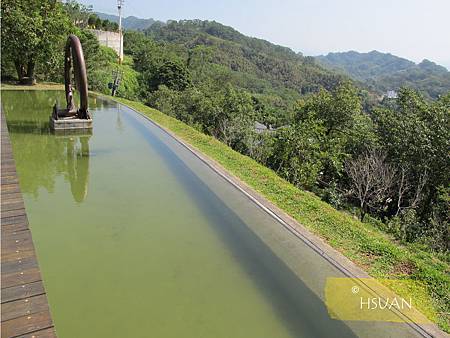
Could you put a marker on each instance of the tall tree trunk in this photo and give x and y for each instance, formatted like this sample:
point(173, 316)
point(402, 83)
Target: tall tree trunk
point(363, 211)
point(30, 72)
point(20, 69)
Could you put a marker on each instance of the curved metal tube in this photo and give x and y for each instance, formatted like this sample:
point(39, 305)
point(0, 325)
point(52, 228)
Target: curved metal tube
point(74, 54)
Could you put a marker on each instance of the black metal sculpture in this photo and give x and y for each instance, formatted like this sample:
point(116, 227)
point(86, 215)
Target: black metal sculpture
point(72, 117)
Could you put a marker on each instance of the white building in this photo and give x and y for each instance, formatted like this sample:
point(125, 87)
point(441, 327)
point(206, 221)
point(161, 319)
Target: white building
point(110, 39)
point(392, 94)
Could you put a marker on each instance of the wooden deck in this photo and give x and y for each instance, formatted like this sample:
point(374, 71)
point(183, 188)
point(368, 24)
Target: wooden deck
point(24, 308)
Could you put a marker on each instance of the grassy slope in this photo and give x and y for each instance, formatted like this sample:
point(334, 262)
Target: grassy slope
point(364, 244)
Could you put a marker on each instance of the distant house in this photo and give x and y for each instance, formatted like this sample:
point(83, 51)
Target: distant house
point(262, 128)
point(391, 94)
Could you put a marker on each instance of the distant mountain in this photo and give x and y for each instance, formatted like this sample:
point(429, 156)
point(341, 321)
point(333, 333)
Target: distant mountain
point(383, 71)
point(130, 22)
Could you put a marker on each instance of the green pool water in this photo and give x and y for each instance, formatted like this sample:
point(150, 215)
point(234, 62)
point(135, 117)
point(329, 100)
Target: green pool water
point(136, 237)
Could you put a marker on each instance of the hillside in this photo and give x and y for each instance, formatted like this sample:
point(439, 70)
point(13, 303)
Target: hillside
point(261, 66)
point(130, 22)
point(254, 64)
point(383, 71)
point(249, 63)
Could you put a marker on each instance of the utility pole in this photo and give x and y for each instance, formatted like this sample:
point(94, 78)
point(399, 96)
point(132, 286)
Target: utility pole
point(118, 73)
point(119, 7)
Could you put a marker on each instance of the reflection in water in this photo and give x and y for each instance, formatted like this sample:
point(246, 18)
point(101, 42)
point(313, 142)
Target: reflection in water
point(78, 166)
point(50, 156)
point(119, 124)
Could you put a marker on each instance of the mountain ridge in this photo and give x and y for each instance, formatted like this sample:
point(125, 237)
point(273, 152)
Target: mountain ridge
point(130, 22)
point(385, 71)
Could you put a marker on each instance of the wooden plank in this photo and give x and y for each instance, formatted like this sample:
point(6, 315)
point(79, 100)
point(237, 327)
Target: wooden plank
point(26, 324)
point(19, 265)
point(6, 160)
point(22, 291)
point(20, 278)
point(10, 188)
point(12, 205)
point(11, 199)
point(24, 311)
point(7, 196)
point(13, 213)
point(14, 228)
point(8, 202)
point(10, 228)
point(14, 220)
point(12, 252)
point(24, 307)
point(46, 333)
point(8, 170)
point(8, 174)
point(17, 254)
point(8, 180)
point(18, 241)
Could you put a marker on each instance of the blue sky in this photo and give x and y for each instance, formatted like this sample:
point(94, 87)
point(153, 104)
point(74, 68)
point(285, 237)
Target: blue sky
point(414, 29)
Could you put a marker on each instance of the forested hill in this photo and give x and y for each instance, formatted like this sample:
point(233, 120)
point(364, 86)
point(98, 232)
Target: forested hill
point(130, 22)
point(254, 64)
point(262, 67)
point(383, 71)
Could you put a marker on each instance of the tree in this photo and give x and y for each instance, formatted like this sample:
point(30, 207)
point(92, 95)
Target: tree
point(165, 100)
point(98, 23)
point(234, 121)
point(172, 74)
point(440, 220)
point(372, 180)
point(79, 14)
point(415, 135)
point(297, 154)
point(33, 32)
point(198, 59)
point(92, 20)
point(337, 111)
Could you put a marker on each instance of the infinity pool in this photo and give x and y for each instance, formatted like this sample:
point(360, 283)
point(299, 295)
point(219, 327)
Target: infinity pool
point(136, 237)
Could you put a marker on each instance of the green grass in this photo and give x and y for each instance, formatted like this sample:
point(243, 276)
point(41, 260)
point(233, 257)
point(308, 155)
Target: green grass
point(366, 245)
point(38, 86)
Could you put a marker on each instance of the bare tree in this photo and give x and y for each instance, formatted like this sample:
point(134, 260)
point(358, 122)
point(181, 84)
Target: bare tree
point(372, 181)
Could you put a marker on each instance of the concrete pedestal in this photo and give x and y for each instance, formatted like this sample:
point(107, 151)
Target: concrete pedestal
point(70, 124)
